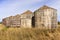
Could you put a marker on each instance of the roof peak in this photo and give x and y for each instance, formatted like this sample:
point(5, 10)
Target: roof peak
point(27, 12)
point(45, 7)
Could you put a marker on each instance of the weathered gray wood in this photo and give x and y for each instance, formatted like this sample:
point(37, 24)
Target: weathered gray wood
point(46, 17)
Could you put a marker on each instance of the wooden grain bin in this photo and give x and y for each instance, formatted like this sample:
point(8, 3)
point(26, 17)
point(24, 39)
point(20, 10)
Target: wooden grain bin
point(26, 19)
point(46, 17)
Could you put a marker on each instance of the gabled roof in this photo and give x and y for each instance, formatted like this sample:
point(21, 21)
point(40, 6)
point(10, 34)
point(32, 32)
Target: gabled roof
point(11, 16)
point(27, 12)
point(18, 15)
point(46, 7)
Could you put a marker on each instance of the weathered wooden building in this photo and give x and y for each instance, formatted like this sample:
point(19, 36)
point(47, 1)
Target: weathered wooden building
point(23, 20)
point(26, 19)
point(15, 21)
point(46, 17)
point(6, 21)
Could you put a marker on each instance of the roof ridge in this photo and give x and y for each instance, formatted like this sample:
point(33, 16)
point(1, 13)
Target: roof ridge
point(45, 7)
point(27, 12)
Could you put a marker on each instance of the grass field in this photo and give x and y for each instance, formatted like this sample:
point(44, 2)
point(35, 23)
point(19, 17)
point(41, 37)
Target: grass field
point(28, 33)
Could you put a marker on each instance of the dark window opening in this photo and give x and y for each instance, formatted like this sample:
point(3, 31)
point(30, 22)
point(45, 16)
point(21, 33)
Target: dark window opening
point(33, 21)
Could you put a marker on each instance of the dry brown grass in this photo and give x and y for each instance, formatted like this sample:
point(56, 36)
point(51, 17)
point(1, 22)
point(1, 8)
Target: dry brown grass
point(29, 34)
point(2, 26)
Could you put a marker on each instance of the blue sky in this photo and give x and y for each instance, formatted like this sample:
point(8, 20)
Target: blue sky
point(13, 7)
